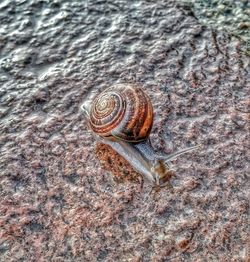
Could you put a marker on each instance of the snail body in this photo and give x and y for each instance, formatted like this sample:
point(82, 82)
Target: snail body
point(122, 117)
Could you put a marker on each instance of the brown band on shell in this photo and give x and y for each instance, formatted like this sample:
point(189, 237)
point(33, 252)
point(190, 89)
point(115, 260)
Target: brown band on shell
point(133, 127)
point(148, 120)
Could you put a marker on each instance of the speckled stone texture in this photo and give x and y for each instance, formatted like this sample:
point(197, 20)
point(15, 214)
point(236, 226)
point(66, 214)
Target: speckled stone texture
point(57, 201)
point(232, 16)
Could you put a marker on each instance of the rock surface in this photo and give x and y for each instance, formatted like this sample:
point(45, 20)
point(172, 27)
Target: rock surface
point(57, 201)
point(232, 16)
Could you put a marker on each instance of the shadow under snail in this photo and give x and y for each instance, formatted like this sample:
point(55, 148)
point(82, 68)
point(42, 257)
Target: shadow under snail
point(122, 117)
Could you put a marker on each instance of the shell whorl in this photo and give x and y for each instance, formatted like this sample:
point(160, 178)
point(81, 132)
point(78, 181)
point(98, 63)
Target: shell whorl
point(122, 111)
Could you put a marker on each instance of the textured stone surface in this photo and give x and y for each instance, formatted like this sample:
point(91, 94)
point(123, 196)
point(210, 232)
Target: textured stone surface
point(230, 15)
point(57, 201)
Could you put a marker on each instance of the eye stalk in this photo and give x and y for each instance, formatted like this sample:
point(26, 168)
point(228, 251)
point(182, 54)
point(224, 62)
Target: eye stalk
point(122, 117)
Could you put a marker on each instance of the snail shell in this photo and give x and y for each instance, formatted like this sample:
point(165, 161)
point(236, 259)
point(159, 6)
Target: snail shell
point(122, 111)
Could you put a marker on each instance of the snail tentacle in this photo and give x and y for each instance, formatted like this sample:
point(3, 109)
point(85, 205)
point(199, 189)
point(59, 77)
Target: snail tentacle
point(178, 153)
point(148, 151)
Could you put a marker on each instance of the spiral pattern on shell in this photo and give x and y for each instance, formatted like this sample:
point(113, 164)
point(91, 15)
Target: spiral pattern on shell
point(122, 111)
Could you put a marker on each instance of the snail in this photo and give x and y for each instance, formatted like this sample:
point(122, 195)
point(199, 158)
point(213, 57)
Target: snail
point(122, 117)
